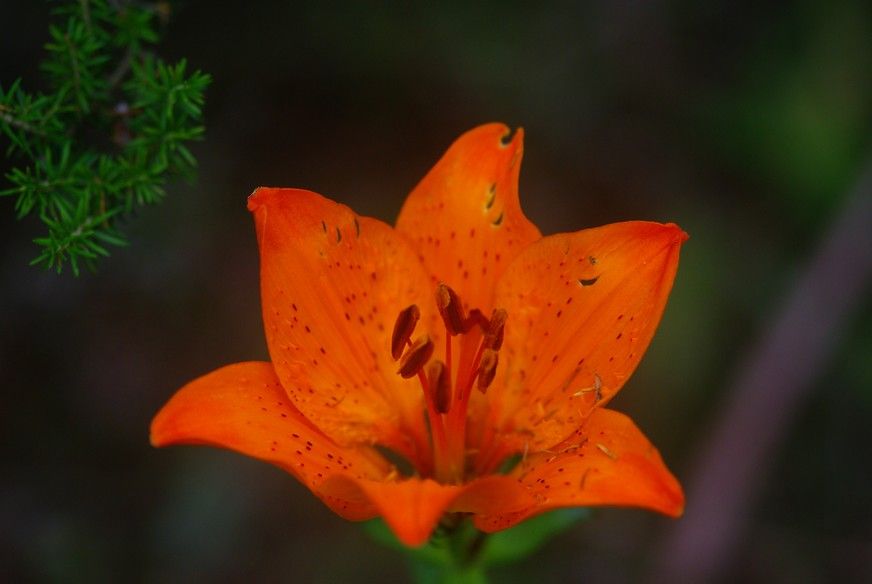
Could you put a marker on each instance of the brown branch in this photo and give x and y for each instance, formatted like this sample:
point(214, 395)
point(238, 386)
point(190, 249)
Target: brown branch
point(71, 50)
point(86, 13)
point(769, 391)
point(16, 123)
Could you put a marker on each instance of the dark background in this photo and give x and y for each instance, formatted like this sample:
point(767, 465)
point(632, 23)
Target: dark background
point(748, 123)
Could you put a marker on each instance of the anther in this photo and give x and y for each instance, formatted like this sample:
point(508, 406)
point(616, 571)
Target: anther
point(440, 385)
point(403, 329)
point(487, 369)
point(416, 357)
point(474, 318)
point(450, 309)
point(493, 336)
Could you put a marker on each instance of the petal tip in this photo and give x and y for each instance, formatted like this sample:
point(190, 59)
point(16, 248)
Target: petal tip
point(674, 507)
point(260, 197)
point(155, 437)
point(679, 235)
point(160, 433)
point(511, 137)
point(672, 502)
point(412, 539)
point(501, 133)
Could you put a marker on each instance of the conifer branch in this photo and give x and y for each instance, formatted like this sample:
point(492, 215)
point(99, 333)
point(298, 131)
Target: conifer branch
point(112, 128)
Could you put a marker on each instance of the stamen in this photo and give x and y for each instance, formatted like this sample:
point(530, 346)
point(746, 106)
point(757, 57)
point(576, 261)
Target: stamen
point(487, 369)
point(476, 318)
point(416, 357)
point(450, 309)
point(440, 386)
point(447, 389)
point(493, 336)
point(405, 325)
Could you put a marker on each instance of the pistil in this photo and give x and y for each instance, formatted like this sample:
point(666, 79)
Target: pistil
point(442, 460)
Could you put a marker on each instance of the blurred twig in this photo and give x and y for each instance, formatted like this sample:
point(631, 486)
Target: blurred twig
point(769, 390)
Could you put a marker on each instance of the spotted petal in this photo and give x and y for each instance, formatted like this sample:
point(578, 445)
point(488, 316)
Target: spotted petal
point(413, 507)
point(582, 309)
point(612, 463)
point(332, 284)
point(465, 217)
point(243, 407)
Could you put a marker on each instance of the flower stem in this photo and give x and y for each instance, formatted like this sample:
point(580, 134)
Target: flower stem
point(448, 574)
point(459, 562)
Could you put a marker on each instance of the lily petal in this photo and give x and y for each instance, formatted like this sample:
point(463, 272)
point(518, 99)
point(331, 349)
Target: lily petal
point(464, 216)
point(613, 463)
point(413, 507)
point(582, 309)
point(243, 407)
point(332, 284)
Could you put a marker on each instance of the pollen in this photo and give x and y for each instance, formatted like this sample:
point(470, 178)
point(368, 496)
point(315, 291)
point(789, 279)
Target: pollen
point(604, 449)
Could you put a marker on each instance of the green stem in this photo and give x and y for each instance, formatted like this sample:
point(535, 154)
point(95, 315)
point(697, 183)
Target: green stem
point(459, 562)
point(77, 83)
point(447, 574)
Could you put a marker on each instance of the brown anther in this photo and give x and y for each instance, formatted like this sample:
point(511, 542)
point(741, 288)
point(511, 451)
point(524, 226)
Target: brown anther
point(405, 325)
point(450, 309)
point(487, 369)
point(493, 336)
point(440, 385)
point(416, 357)
point(474, 318)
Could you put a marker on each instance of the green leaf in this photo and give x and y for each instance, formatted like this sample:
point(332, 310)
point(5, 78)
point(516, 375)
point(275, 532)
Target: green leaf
point(524, 539)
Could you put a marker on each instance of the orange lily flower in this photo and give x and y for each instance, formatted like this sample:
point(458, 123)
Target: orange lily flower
point(458, 342)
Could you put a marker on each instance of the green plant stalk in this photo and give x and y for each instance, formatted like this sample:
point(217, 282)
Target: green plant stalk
point(458, 553)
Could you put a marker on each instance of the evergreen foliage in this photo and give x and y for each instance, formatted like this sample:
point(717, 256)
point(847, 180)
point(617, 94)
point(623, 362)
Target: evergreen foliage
point(112, 128)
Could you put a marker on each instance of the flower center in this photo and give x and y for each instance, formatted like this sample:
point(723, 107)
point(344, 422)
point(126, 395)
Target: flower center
point(448, 386)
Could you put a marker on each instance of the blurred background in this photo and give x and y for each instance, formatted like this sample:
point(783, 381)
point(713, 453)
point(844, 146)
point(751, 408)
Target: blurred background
point(747, 123)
